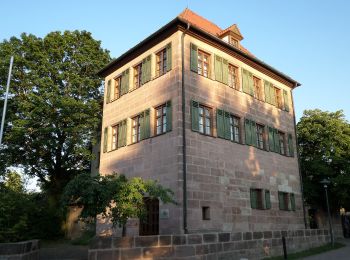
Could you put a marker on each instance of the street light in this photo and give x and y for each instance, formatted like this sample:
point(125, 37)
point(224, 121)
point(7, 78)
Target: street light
point(325, 183)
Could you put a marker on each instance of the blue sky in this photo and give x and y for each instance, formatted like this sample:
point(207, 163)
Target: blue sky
point(307, 40)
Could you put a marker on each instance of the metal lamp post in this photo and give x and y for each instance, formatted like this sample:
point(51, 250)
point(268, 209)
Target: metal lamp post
point(325, 183)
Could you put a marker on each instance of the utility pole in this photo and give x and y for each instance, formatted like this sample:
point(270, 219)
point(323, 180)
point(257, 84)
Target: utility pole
point(5, 101)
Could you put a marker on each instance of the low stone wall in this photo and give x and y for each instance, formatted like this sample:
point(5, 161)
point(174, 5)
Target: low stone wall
point(27, 250)
point(251, 245)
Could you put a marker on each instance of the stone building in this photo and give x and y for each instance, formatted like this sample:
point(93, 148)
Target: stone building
point(189, 106)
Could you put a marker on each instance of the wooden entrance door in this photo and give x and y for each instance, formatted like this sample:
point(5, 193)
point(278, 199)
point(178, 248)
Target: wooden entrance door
point(150, 224)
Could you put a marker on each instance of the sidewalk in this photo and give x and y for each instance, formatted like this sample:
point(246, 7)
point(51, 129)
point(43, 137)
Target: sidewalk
point(338, 254)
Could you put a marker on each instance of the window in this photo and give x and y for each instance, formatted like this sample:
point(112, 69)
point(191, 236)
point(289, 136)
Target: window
point(234, 128)
point(278, 96)
point(260, 129)
point(281, 143)
point(228, 125)
point(260, 199)
point(117, 87)
point(233, 41)
point(257, 88)
point(206, 213)
point(149, 224)
point(163, 118)
point(115, 137)
point(201, 118)
point(136, 129)
point(161, 62)
point(119, 135)
point(138, 76)
point(203, 63)
point(204, 120)
point(286, 200)
point(140, 126)
point(233, 76)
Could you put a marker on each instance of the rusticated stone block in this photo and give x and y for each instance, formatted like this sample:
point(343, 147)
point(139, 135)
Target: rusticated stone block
point(300, 233)
point(162, 251)
point(164, 240)
point(132, 253)
point(276, 234)
point(307, 232)
point(257, 235)
point(210, 238)
point(179, 240)
point(284, 233)
point(224, 237)
point(107, 255)
point(236, 236)
point(194, 239)
point(182, 251)
point(146, 241)
point(202, 249)
point(101, 243)
point(123, 242)
point(229, 246)
point(267, 234)
point(247, 236)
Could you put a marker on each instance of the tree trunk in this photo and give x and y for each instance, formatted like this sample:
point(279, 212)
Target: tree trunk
point(124, 231)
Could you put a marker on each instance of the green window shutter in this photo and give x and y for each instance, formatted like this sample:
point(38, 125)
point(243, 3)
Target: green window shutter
point(218, 68)
point(290, 145)
point(248, 132)
point(146, 124)
point(267, 200)
point(143, 71)
point(245, 81)
point(225, 71)
point(220, 123)
point(273, 95)
point(267, 92)
point(251, 84)
point(168, 116)
point(142, 125)
point(227, 126)
point(105, 139)
point(195, 115)
point(286, 100)
point(194, 58)
point(277, 141)
point(126, 81)
point(146, 69)
point(281, 200)
point(253, 131)
point(120, 135)
point(108, 98)
point(168, 57)
point(253, 199)
point(292, 201)
point(271, 139)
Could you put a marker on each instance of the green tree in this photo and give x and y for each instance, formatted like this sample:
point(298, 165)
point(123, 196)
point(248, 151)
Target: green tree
point(113, 196)
point(324, 146)
point(55, 105)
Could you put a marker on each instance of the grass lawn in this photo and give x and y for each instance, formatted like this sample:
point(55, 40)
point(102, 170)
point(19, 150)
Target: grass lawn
point(309, 252)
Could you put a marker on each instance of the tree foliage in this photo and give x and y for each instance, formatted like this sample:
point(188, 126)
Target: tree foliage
point(113, 196)
point(25, 215)
point(324, 146)
point(55, 105)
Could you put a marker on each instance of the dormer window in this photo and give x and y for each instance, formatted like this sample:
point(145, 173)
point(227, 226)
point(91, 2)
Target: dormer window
point(233, 41)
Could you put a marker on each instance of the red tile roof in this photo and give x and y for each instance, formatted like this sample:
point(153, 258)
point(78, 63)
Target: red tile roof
point(209, 27)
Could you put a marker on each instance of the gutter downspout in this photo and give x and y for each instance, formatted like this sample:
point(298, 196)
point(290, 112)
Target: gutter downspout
point(184, 163)
point(297, 150)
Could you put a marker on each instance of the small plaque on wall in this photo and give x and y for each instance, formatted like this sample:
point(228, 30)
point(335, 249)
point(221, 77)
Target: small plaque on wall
point(164, 214)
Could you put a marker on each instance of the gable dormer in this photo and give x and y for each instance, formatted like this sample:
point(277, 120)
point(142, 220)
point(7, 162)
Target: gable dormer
point(232, 35)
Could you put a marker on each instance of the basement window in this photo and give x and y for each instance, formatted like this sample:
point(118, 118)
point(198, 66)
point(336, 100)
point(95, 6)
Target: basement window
point(206, 213)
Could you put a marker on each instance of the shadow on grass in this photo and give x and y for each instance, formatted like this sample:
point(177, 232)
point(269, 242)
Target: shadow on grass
point(309, 252)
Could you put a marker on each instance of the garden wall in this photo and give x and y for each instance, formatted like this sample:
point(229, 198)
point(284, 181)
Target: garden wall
point(251, 245)
point(27, 250)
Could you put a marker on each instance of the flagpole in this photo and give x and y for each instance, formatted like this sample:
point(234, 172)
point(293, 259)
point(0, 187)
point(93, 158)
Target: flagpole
point(5, 101)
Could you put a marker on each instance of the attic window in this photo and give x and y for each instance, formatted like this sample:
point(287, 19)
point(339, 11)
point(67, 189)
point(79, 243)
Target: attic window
point(233, 41)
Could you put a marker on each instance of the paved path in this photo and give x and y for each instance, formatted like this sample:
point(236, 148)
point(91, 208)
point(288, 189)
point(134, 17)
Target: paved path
point(63, 252)
point(338, 254)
